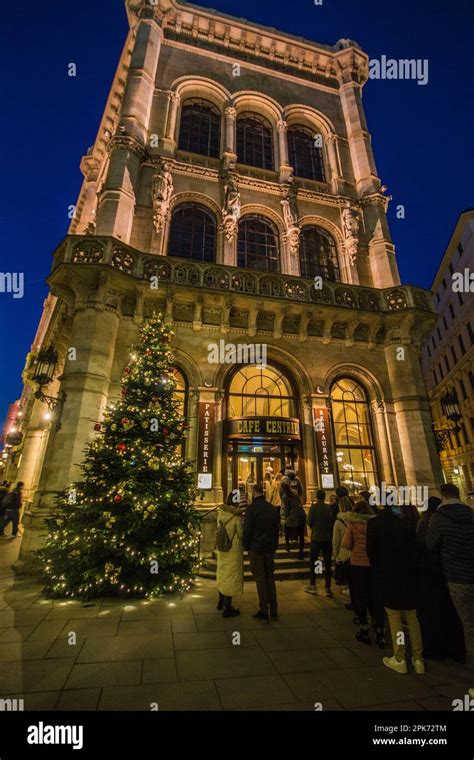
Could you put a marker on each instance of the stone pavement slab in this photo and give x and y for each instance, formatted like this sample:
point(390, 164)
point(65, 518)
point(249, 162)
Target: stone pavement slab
point(250, 692)
point(196, 696)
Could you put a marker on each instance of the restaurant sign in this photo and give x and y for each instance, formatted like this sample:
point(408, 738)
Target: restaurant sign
point(322, 429)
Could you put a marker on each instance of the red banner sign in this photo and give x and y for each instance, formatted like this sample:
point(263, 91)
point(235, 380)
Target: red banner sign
point(205, 453)
point(323, 433)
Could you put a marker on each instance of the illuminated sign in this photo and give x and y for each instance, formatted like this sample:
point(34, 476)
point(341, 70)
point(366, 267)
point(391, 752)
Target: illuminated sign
point(205, 454)
point(265, 427)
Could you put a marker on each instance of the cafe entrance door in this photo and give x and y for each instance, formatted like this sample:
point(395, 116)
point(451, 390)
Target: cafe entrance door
point(247, 464)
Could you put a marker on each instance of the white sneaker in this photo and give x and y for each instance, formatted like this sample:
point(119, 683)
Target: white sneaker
point(419, 666)
point(399, 666)
point(310, 590)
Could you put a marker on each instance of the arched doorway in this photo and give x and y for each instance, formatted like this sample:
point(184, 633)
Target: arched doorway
point(262, 430)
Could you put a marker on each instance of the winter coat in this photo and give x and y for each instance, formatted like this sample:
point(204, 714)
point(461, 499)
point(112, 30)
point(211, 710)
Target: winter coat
point(339, 529)
point(230, 565)
point(12, 501)
point(451, 533)
point(261, 528)
point(293, 510)
point(394, 553)
point(320, 521)
point(355, 537)
point(3, 494)
point(274, 494)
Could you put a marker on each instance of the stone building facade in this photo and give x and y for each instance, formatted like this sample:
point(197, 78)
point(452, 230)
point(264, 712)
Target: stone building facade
point(448, 356)
point(232, 187)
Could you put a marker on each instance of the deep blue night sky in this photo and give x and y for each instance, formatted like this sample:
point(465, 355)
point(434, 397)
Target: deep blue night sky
point(422, 135)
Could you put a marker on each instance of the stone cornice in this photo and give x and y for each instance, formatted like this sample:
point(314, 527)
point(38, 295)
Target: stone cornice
point(244, 40)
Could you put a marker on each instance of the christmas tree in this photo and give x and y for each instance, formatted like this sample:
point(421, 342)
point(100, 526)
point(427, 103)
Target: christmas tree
point(129, 528)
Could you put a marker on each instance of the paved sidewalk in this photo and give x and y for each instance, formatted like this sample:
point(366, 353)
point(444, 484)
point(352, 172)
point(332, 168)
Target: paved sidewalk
point(180, 654)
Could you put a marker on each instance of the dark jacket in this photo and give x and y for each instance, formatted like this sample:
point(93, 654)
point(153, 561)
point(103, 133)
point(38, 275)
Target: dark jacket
point(394, 553)
point(451, 533)
point(3, 494)
point(292, 509)
point(320, 520)
point(261, 527)
point(12, 501)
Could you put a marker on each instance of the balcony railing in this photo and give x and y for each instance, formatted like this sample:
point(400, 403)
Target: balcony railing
point(93, 250)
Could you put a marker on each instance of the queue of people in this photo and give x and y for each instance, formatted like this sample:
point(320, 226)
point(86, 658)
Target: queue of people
point(416, 573)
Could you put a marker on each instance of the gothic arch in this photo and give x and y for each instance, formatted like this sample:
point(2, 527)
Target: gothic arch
point(201, 87)
point(325, 224)
point(309, 117)
point(192, 197)
point(368, 380)
point(249, 100)
point(252, 209)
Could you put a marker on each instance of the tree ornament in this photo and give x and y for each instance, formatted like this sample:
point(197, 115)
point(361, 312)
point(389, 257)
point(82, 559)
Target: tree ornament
point(121, 446)
point(118, 498)
point(124, 392)
point(125, 420)
point(166, 431)
point(127, 370)
point(97, 427)
point(154, 463)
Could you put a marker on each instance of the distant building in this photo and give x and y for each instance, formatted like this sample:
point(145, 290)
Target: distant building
point(448, 356)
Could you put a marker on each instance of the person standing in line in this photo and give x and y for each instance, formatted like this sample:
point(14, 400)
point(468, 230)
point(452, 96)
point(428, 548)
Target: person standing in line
point(260, 539)
point(320, 522)
point(362, 583)
point(12, 506)
point(267, 484)
point(341, 493)
point(274, 495)
point(294, 515)
point(441, 628)
point(230, 563)
point(4, 489)
point(451, 534)
point(394, 553)
point(341, 555)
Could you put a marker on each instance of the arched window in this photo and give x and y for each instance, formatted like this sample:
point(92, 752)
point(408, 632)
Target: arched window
point(257, 391)
point(200, 128)
point(305, 156)
point(193, 233)
point(180, 392)
point(353, 438)
point(254, 141)
point(318, 255)
point(257, 244)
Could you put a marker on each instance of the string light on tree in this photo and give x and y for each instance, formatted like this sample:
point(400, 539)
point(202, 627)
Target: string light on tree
point(136, 499)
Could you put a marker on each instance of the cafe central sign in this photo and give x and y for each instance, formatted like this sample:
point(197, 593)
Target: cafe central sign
point(264, 427)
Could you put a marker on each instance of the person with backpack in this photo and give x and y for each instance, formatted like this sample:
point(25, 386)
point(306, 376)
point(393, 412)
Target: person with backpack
point(12, 505)
point(320, 522)
point(293, 511)
point(260, 539)
point(230, 557)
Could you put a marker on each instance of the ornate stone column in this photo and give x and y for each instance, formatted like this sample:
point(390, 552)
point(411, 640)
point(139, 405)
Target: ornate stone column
point(284, 169)
point(230, 154)
point(86, 384)
point(413, 417)
point(384, 448)
point(169, 139)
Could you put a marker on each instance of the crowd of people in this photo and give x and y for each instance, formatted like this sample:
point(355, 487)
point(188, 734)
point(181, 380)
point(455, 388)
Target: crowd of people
point(410, 568)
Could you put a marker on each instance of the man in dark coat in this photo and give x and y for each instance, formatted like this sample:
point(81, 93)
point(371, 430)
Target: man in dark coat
point(451, 533)
point(393, 553)
point(260, 539)
point(321, 523)
point(12, 506)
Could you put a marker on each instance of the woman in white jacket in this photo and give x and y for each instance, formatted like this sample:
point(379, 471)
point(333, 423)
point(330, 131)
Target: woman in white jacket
point(230, 564)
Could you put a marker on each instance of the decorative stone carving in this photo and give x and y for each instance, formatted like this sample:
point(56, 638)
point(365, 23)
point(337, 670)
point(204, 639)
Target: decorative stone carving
point(162, 191)
point(87, 252)
point(350, 226)
point(231, 207)
point(290, 214)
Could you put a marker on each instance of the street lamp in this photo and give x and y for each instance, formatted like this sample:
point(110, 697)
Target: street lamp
point(43, 373)
point(450, 407)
